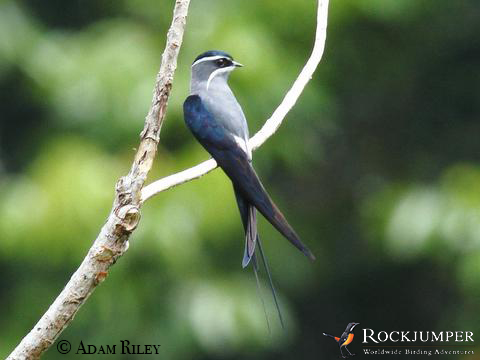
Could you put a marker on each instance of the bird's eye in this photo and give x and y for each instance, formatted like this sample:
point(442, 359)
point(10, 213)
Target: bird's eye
point(221, 62)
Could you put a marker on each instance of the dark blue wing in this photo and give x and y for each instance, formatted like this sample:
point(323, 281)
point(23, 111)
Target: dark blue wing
point(201, 123)
point(235, 163)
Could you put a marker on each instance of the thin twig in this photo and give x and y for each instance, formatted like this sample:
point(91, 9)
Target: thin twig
point(270, 126)
point(112, 242)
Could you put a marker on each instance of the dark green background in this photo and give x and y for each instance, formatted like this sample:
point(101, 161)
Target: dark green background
point(377, 167)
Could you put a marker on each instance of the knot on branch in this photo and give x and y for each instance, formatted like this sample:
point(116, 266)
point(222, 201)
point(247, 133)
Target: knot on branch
point(129, 216)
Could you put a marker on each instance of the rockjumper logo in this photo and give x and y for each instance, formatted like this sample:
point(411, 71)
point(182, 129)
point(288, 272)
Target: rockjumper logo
point(414, 336)
point(345, 339)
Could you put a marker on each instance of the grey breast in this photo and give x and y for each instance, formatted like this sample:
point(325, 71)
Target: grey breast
point(222, 104)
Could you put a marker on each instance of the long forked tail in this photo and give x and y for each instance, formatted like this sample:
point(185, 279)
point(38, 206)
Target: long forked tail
point(259, 291)
point(270, 282)
point(249, 220)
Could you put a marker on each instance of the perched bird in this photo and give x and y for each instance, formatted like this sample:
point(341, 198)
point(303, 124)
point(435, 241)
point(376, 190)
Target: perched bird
point(345, 339)
point(217, 121)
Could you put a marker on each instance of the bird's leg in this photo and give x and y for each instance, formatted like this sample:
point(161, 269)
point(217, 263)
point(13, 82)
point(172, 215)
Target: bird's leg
point(349, 352)
point(343, 356)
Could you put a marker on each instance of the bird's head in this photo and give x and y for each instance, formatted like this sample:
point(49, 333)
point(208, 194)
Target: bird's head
point(213, 64)
point(351, 326)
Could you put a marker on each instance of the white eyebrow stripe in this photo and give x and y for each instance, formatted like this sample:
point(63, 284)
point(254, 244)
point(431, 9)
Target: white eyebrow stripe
point(209, 58)
point(218, 71)
point(243, 145)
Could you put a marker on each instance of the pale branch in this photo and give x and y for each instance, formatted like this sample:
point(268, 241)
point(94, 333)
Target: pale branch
point(270, 126)
point(112, 242)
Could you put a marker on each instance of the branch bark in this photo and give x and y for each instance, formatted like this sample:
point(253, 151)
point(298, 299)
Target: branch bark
point(270, 126)
point(112, 242)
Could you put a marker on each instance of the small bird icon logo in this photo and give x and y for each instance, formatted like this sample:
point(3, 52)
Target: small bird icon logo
point(345, 339)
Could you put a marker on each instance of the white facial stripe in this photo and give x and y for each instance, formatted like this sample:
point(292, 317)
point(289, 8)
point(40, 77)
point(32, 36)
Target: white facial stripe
point(244, 146)
point(216, 72)
point(209, 58)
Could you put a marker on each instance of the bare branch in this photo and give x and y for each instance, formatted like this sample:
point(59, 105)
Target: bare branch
point(112, 242)
point(270, 126)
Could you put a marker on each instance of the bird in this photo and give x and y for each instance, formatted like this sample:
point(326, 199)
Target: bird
point(217, 121)
point(345, 339)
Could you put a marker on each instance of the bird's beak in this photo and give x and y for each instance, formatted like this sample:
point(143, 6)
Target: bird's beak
point(236, 64)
